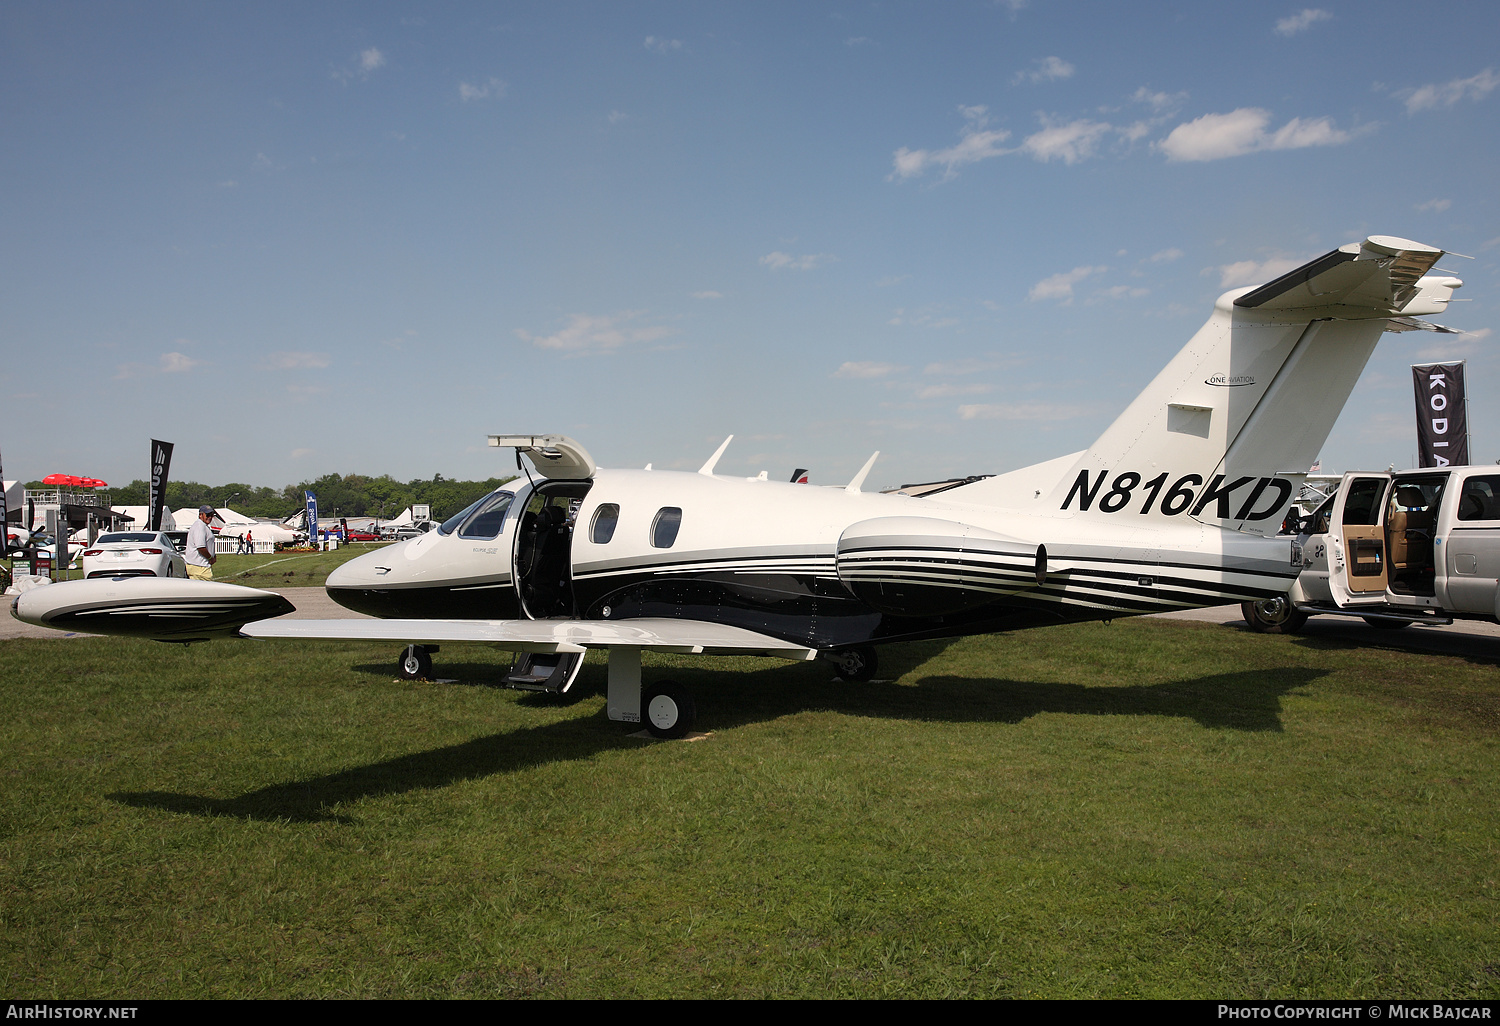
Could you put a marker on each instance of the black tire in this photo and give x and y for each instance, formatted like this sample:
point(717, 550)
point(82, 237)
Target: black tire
point(1273, 616)
point(1385, 625)
point(667, 710)
point(858, 664)
point(415, 663)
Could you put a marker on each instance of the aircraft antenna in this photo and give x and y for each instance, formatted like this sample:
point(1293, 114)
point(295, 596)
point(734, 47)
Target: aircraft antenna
point(708, 468)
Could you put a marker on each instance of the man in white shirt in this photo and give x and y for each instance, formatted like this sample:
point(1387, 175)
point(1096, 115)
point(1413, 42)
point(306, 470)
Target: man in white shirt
point(200, 547)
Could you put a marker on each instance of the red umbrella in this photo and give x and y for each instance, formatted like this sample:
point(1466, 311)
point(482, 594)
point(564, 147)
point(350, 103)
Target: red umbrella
point(73, 481)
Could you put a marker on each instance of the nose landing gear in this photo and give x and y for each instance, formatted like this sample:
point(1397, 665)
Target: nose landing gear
point(416, 662)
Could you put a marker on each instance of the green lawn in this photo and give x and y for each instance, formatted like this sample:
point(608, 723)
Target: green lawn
point(288, 569)
point(1148, 808)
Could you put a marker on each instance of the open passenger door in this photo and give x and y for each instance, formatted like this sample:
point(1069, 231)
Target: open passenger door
point(1358, 515)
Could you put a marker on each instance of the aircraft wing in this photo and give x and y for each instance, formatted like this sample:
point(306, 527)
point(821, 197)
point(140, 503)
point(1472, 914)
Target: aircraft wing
point(1382, 276)
point(660, 634)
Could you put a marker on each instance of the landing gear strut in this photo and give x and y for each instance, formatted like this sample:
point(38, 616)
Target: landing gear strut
point(415, 663)
point(857, 664)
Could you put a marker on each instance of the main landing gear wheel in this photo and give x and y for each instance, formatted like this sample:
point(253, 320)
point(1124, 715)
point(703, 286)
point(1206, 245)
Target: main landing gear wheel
point(1273, 616)
point(856, 664)
point(667, 710)
point(415, 663)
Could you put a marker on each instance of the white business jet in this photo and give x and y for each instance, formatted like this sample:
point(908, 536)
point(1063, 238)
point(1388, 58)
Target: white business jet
point(1177, 505)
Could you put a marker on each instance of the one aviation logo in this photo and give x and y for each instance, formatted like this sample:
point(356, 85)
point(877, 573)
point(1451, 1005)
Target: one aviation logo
point(1228, 381)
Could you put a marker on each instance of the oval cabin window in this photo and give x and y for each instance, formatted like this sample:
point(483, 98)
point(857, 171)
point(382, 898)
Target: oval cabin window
point(602, 528)
point(664, 527)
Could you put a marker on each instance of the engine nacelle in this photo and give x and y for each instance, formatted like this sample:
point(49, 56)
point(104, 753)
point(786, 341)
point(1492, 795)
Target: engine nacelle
point(922, 566)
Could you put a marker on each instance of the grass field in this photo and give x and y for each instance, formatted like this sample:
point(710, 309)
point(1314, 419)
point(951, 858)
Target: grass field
point(1148, 808)
point(286, 569)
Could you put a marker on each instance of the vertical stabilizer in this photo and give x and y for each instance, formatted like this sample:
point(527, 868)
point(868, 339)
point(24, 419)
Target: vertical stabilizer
point(1226, 432)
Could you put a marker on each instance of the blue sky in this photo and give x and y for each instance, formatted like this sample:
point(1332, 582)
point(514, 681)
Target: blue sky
point(299, 239)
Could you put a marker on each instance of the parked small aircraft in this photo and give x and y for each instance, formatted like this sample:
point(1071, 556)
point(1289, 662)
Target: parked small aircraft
point(1176, 505)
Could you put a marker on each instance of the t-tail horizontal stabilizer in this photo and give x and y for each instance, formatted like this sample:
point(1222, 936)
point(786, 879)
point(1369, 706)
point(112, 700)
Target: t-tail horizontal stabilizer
point(1225, 433)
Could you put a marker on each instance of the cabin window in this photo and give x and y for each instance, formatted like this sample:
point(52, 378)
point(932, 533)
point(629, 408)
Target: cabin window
point(1480, 500)
point(664, 527)
point(606, 519)
point(488, 518)
point(1362, 505)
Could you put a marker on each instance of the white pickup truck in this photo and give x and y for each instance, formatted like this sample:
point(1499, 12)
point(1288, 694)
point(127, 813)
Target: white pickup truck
point(1417, 546)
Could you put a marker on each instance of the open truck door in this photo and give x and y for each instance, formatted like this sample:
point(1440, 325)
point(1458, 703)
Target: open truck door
point(1358, 556)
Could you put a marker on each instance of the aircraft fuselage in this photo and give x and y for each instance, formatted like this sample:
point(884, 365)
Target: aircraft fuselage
point(823, 567)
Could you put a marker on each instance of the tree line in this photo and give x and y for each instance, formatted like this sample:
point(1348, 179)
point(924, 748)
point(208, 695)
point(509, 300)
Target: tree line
point(351, 495)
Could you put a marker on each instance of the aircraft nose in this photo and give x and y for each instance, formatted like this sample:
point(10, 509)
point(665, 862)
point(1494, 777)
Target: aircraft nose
point(365, 571)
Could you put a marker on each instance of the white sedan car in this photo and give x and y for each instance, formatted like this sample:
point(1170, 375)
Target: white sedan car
point(133, 554)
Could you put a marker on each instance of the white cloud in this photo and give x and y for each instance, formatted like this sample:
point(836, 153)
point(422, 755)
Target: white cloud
point(891, 279)
point(1069, 143)
point(658, 45)
point(1060, 286)
point(859, 41)
point(616, 116)
point(1020, 411)
point(708, 294)
point(1158, 101)
point(976, 142)
point(297, 361)
point(1453, 347)
point(948, 389)
point(297, 454)
point(595, 333)
point(1447, 94)
point(865, 369)
point(1048, 69)
point(483, 91)
point(968, 365)
point(1122, 292)
point(176, 363)
point(1436, 206)
point(1253, 272)
point(1302, 20)
point(363, 64)
point(1166, 256)
point(779, 261)
point(1242, 131)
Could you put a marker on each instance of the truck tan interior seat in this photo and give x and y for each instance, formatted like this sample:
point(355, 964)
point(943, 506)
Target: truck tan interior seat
point(1410, 530)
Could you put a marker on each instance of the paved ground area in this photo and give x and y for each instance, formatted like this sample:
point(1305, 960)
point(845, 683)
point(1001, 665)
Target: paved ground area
point(1466, 638)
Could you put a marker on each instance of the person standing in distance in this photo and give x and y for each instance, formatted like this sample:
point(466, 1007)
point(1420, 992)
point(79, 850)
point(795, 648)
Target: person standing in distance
point(200, 547)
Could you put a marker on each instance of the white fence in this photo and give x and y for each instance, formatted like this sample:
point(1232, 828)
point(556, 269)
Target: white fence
point(230, 546)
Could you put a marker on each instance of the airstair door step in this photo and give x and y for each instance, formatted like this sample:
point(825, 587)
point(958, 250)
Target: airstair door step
point(551, 671)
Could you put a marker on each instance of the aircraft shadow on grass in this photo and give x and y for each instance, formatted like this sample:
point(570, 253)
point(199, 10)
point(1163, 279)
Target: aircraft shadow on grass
point(1248, 700)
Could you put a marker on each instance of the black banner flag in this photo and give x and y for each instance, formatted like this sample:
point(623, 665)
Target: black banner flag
point(1442, 415)
point(4, 518)
point(161, 461)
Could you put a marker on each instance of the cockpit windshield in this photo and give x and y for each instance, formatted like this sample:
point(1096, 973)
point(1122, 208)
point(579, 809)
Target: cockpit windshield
point(482, 519)
point(488, 517)
point(451, 524)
